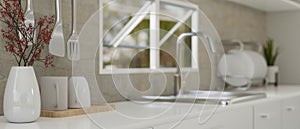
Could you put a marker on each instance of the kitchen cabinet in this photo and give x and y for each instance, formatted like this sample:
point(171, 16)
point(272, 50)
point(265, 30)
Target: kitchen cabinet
point(267, 115)
point(233, 119)
point(270, 5)
point(291, 113)
point(280, 110)
point(275, 114)
point(280, 114)
point(239, 118)
point(271, 114)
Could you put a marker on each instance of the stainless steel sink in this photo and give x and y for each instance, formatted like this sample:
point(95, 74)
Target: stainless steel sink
point(210, 97)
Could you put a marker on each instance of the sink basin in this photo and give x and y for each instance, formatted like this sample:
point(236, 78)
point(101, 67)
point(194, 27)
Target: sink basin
point(209, 97)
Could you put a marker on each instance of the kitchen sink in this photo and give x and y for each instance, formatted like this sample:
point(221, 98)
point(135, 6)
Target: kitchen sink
point(208, 97)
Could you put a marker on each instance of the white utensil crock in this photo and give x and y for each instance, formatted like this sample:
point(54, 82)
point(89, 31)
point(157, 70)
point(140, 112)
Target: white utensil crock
point(79, 93)
point(22, 101)
point(54, 93)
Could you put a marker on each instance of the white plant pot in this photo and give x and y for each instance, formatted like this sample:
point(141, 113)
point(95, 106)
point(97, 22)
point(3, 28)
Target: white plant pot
point(272, 73)
point(22, 103)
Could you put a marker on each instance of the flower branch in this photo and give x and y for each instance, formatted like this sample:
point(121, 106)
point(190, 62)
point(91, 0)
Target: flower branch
point(25, 42)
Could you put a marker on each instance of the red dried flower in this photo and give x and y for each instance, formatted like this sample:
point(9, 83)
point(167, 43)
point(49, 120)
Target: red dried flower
point(18, 35)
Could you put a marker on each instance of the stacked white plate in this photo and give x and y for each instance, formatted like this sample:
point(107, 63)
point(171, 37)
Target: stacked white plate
point(239, 67)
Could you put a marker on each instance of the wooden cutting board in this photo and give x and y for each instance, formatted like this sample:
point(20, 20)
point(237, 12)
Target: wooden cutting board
point(77, 112)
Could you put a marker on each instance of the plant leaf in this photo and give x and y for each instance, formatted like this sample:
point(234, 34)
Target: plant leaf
point(270, 53)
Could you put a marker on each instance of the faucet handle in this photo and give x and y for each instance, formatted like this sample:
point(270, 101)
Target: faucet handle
point(210, 41)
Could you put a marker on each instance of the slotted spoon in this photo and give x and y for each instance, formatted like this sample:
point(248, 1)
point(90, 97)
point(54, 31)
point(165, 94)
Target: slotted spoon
point(73, 46)
point(57, 43)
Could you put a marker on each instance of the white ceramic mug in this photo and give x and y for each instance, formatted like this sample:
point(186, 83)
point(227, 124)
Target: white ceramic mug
point(54, 93)
point(79, 93)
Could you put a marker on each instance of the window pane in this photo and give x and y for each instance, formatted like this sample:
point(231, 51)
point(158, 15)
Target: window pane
point(117, 15)
point(133, 50)
point(168, 48)
point(128, 55)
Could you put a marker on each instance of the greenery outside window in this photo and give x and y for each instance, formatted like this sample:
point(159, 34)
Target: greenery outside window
point(140, 35)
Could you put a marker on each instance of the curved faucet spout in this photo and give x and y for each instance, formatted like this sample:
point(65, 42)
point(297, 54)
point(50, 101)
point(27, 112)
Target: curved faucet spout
point(177, 76)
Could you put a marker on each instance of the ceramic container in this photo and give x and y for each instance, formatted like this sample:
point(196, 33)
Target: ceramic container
point(54, 93)
point(22, 103)
point(272, 71)
point(79, 93)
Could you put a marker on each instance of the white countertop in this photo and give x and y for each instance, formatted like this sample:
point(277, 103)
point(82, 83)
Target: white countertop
point(130, 115)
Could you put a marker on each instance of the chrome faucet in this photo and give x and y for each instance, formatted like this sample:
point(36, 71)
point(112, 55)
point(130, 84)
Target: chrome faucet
point(177, 76)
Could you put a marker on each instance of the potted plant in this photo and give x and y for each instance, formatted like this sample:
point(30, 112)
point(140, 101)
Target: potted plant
point(271, 53)
point(25, 42)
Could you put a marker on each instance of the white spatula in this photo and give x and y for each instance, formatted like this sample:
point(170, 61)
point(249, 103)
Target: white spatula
point(29, 19)
point(57, 43)
point(73, 46)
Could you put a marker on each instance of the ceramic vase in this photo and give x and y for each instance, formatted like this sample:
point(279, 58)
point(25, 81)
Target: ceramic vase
point(22, 103)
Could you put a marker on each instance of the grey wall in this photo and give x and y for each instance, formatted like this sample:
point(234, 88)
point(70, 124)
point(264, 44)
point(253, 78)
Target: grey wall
point(234, 21)
point(231, 20)
point(284, 28)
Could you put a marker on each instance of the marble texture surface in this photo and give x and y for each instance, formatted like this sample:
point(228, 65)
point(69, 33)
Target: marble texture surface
point(231, 20)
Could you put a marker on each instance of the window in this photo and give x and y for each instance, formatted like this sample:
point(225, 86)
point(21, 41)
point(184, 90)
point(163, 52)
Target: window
point(140, 35)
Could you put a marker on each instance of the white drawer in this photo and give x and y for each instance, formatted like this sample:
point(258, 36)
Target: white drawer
point(233, 119)
point(291, 113)
point(267, 115)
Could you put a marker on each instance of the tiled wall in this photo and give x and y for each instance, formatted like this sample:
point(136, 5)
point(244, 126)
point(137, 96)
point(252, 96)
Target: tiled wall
point(235, 21)
point(231, 21)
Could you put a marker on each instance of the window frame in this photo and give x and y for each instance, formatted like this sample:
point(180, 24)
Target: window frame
point(152, 7)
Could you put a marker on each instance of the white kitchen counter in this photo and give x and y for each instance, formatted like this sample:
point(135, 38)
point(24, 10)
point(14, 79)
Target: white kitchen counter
point(130, 115)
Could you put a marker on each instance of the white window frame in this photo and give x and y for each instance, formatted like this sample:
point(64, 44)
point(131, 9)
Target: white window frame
point(152, 7)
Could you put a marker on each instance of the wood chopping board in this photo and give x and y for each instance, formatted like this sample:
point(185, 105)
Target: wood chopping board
point(77, 112)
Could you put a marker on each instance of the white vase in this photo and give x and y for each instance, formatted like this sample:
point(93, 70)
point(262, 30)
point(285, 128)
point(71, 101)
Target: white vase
point(22, 103)
point(272, 74)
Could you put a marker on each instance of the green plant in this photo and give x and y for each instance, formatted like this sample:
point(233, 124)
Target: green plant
point(270, 52)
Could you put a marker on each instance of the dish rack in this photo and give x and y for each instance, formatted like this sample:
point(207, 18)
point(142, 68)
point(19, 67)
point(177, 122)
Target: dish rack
point(242, 44)
point(251, 81)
